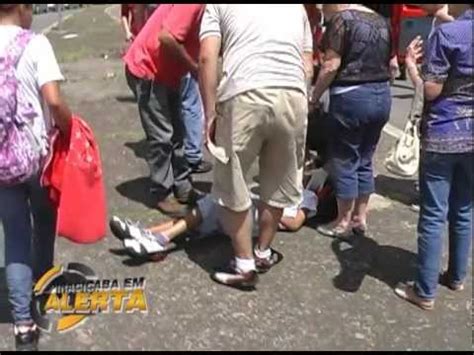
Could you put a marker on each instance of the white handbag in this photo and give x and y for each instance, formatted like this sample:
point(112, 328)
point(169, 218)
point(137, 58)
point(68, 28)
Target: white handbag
point(404, 158)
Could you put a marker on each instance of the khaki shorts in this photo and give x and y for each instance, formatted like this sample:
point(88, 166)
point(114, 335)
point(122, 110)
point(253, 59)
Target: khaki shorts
point(268, 124)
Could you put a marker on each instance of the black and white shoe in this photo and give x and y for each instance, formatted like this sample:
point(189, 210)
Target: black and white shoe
point(26, 337)
point(263, 265)
point(143, 243)
point(231, 276)
point(123, 229)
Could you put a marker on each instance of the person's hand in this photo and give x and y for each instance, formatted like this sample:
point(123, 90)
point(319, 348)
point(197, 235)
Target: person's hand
point(314, 102)
point(129, 37)
point(394, 69)
point(414, 51)
point(442, 14)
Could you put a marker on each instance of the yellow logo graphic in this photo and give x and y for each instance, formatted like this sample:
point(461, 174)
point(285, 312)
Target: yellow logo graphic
point(74, 293)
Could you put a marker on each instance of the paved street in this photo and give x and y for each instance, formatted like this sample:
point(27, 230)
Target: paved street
point(43, 21)
point(302, 304)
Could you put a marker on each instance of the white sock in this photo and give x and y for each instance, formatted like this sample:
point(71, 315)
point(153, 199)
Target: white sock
point(245, 265)
point(263, 254)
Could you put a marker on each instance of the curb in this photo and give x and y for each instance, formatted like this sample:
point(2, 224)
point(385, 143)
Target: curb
point(108, 10)
point(54, 24)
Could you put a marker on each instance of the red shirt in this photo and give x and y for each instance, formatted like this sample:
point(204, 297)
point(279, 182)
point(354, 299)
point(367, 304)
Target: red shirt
point(314, 18)
point(147, 60)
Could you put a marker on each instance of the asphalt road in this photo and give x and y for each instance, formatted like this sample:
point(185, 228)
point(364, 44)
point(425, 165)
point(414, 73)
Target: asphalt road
point(402, 95)
point(43, 21)
point(323, 295)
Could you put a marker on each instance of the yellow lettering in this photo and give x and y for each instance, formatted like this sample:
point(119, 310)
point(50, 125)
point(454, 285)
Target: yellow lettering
point(81, 302)
point(99, 301)
point(118, 296)
point(65, 306)
point(136, 302)
point(52, 304)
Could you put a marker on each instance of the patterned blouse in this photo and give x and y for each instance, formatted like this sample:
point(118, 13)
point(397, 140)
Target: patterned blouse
point(447, 124)
point(363, 40)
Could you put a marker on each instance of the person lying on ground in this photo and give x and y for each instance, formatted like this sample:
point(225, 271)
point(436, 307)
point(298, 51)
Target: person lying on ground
point(201, 221)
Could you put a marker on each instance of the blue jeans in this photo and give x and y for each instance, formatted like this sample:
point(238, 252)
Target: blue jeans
point(356, 119)
point(29, 248)
point(446, 194)
point(192, 115)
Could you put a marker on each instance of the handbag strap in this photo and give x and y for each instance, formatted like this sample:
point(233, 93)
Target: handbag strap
point(17, 46)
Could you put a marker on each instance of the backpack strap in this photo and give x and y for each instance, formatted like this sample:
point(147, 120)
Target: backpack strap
point(17, 46)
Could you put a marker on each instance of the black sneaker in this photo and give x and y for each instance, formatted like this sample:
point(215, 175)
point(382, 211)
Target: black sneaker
point(26, 337)
point(230, 276)
point(201, 168)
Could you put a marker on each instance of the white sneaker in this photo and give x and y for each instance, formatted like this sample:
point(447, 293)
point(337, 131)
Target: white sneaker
point(143, 243)
point(124, 229)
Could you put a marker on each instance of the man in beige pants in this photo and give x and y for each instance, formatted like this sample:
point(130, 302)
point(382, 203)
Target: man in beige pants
point(259, 111)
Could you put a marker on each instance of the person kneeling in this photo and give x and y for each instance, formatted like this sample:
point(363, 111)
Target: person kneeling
point(202, 221)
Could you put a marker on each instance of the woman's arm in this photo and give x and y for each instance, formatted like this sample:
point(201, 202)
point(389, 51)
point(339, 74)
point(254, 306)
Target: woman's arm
point(125, 19)
point(330, 65)
point(414, 52)
point(58, 108)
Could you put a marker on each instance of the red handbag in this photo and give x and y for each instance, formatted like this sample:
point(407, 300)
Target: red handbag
point(73, 176)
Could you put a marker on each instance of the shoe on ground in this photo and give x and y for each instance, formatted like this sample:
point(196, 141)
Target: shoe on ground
point(201, 168)
point(143, 244)
point(445, 280)
point(172, 207)
point(232, 277)
point(359, 229)
point(263, 265)
point(124, 229)
point(26, 337)
point(415, 207)
point(408, 293)
point(336, 232)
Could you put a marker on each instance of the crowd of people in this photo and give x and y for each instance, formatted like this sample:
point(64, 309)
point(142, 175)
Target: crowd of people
point(234, 80)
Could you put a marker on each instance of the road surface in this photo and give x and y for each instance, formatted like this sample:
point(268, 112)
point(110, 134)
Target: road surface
point(43, 21)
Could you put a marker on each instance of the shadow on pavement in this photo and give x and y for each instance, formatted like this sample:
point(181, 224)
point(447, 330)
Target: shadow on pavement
point(398, 189)
point(138, 148)
point(137, 190)
point(364, 257)
point(5, 314)
point(126, 99)
point(402, 96)
point(208, 253)
point(400, 86)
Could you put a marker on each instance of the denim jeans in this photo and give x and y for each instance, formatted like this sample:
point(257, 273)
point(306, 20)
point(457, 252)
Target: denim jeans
point(158, 106)
point(446, 193)
point(29, 224)
point(356, 119)
point(192, 115)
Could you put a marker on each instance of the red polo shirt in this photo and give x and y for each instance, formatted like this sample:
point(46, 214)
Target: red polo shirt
point(147, 60)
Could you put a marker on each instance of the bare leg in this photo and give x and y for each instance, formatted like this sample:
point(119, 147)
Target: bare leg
point(162, 227)
point(344, 213)
point(359, 216)
point(238, 226)
point(180, 226)
point(269, 217)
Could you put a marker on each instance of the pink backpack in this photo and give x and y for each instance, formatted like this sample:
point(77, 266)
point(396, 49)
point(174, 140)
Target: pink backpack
point(20, 153)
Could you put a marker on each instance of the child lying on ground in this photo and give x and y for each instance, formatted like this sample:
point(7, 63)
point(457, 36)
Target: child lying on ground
point(201, 221)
